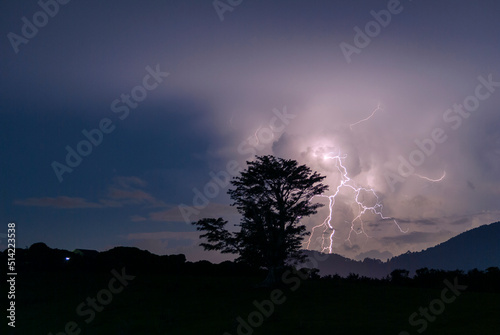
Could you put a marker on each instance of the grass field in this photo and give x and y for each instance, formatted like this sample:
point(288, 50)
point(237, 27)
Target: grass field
point(166, 304)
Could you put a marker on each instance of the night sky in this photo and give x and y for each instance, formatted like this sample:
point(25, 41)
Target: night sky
point(161, 96)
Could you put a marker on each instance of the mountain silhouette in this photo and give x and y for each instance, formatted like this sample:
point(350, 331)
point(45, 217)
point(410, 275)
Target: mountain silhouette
point(477, 248)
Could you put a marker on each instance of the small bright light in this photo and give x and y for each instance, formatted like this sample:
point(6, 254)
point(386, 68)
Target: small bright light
point(67, 258)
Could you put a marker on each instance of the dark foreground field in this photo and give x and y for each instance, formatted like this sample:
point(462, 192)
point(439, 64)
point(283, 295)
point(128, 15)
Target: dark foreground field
point(175, 304)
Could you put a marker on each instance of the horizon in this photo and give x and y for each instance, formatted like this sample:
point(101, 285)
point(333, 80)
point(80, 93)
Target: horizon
point(232, 260)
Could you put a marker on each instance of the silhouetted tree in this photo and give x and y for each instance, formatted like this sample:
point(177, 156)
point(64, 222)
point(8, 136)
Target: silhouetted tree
point(352, 277)
point(400, 276)
point(272, 195)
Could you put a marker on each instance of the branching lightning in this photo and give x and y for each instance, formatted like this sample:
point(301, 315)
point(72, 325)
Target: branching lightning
point(328, 231)
point(368, 118)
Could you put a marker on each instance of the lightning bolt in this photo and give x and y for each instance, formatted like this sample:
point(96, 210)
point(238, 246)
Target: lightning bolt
point(328, 231)
point(432, 180)
point(368, 118)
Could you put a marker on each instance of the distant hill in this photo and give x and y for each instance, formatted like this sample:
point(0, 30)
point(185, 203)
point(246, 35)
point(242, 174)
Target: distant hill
point(342, 266)
point(477, 248)
point(40, 257)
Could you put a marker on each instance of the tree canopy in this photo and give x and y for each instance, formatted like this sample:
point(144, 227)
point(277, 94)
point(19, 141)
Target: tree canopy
point(272, 195)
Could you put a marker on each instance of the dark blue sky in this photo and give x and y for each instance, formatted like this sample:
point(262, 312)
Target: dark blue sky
point(228, 84)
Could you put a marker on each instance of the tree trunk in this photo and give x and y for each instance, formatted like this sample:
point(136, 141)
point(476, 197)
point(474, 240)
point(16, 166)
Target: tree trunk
point(273, 277)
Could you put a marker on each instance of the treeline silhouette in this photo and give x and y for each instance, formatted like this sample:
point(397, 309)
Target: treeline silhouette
point(475, 280)
point(41, 258)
